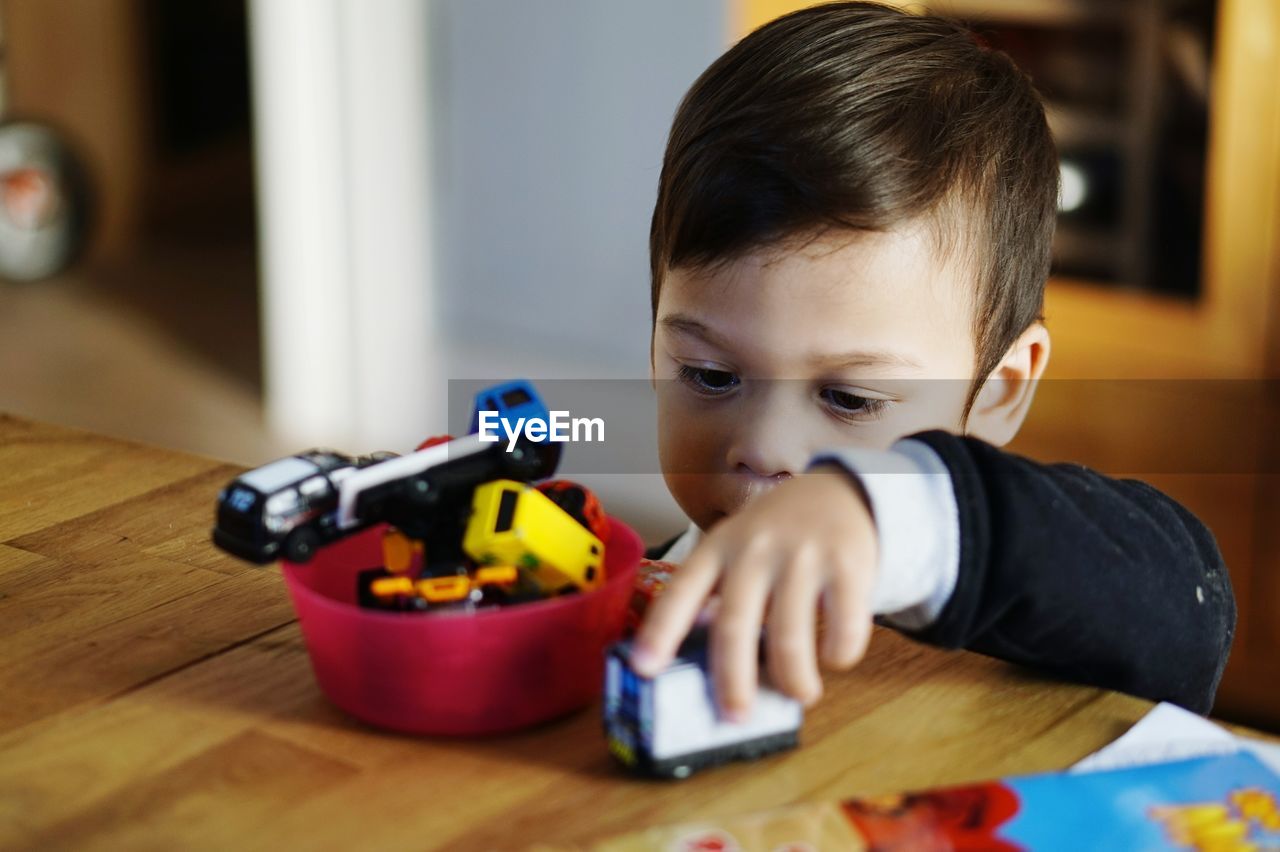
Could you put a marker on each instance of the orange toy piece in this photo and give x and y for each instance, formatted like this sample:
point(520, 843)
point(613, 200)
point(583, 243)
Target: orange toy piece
point(390, 587)
point(460, 586)
point(400, 554)
point(495, 575)
point(448, 589)
point(444, 589)
point(651, 581)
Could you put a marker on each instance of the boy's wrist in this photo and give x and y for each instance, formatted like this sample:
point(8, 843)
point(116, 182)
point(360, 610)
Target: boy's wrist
point(825, 464)
point(912, 503)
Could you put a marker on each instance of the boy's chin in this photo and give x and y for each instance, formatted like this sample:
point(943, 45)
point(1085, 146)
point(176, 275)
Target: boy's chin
point(710, 519)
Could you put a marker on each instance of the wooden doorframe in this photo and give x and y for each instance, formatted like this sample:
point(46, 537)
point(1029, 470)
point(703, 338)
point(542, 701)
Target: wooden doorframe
point(1102, 332)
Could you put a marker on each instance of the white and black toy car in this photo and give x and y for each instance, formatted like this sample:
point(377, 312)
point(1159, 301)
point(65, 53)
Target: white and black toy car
point(668, 726)
point(288, 507)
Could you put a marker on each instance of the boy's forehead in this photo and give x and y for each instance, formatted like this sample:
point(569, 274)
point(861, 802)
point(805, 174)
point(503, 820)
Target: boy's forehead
point(854, 263)
point(821, 291)
point(845, 256)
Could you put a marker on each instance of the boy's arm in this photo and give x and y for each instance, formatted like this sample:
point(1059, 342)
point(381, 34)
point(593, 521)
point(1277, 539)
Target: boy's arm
point(1103, 581)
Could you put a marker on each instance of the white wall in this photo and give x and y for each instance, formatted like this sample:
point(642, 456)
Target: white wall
point(462, 189)
point(549, 124)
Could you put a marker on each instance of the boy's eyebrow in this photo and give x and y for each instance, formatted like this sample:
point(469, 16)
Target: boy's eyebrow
point(863, 359)
point(682, 324)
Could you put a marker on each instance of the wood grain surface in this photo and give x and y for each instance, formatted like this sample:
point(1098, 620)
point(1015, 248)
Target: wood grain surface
point(156, 693)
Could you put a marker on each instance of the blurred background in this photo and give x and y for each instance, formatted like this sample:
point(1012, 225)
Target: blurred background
point(243, 228)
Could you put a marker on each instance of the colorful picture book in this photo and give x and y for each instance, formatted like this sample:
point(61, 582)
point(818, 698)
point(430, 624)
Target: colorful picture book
point(1226, 802)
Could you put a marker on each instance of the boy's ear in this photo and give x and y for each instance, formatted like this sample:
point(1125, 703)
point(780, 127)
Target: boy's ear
point(1006, 395)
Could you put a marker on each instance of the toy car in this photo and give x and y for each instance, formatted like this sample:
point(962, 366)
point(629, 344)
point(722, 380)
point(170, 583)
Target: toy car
point(580, 502)
point(427, 494)
point(516, 524)
point(405, 490)
point(512, 401)
point(288, 507)
point(668, 726)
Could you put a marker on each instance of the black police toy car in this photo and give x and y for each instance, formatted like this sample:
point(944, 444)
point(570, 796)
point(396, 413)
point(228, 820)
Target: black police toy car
point(288, 507)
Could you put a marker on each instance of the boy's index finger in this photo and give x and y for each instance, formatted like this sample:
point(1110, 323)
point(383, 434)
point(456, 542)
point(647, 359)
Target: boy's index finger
point(673, 613)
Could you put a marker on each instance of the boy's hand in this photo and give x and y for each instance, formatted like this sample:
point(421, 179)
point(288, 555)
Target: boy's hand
point(811, 538)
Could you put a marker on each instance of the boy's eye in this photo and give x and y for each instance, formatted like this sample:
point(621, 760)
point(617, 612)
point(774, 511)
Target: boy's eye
point(707, 380)
point(851, 406)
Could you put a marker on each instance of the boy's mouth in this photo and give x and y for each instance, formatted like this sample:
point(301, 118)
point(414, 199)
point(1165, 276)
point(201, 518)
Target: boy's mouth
point(739, 500)
point(732, 494)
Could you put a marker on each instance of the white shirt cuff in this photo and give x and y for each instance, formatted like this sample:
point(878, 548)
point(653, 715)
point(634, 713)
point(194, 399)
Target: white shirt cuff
point(918, 525)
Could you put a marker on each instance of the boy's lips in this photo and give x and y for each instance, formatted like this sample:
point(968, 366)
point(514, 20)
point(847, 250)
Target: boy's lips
point(742, 496)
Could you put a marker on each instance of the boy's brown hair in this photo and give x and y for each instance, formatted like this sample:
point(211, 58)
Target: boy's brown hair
point(859, 115)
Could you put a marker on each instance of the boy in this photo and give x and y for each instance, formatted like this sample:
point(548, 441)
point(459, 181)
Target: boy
point(849, 248)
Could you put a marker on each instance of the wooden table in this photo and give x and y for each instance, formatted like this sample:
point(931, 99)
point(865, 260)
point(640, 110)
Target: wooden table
point(156, 693)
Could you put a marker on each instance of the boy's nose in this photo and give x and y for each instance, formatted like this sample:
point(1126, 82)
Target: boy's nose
point(773, 478)
point(766, 456)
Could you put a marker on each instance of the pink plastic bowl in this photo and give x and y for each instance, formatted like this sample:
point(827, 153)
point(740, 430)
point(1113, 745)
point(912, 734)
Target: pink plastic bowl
point(456, 673)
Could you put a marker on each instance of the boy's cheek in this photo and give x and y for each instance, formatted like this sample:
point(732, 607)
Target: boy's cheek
point(881, 435)
point(931, 404)
point(689, 441)
point(691, 452)
point(697, 496)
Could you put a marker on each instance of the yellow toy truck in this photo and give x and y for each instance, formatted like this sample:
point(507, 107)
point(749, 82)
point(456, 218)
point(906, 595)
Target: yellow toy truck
point(513, 523)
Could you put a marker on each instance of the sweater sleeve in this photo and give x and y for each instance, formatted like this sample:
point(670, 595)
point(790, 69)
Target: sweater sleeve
point(1099, 580)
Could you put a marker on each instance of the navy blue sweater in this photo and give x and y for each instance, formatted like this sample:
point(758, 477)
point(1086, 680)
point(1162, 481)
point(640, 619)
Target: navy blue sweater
point(1097, 580)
